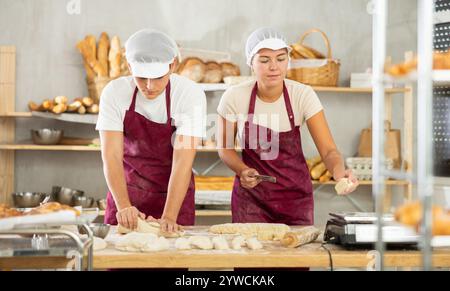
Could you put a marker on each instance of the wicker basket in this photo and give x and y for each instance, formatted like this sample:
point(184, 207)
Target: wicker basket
point(96, 86)
point(315, 72)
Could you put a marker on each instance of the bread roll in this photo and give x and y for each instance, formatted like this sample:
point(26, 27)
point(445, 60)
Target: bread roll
point(33, 106)
point(115, 58)
point(102, 54)
point(193, 68)
point(318, 171)
point(326, 177)
point(229, 69)
point(59, 108)
point(313, 162)
point(213, 73)
point(74, 106)
point(81, 110)
point(61, 99)
point(94, 109)
point(48, 105)
point(87, 101)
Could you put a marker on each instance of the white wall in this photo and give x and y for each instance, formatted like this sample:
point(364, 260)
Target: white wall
point(48, 65)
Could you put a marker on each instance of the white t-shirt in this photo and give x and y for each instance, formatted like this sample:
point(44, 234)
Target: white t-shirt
point(187, 106)
point(235, 103)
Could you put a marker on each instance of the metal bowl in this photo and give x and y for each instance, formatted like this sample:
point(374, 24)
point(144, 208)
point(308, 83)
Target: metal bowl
point(101, 204)
point(65, 195)
point(46, 136)
point(28, 199)
point(100, 230)
point(83, 201)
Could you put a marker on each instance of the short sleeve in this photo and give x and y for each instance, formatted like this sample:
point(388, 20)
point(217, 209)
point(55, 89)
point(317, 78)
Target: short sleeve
point(110, 117)
point(311, 104)
point(191, 119)
point(227, 107)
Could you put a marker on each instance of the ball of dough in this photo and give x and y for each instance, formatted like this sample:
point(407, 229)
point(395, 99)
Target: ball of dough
point(220, 243)
point(201, 242)
point(182, 244)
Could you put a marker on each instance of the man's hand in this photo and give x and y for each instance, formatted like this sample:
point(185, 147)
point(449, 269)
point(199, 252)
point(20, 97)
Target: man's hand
point(127, 217)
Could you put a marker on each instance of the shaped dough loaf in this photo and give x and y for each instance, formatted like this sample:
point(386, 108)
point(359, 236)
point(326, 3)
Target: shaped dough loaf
point(148, 227)
point(220, 243)
point(134, 241)
point(238, 242)
point(201, 242)
point(182, 244)
point(254, 244)
point(264, 231)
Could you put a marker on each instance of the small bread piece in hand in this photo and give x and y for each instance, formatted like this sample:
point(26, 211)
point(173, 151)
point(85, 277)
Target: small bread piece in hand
point(343, 185)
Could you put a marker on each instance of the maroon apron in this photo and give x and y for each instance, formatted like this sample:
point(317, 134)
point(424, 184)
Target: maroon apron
point(147, 162)
point(290, 200)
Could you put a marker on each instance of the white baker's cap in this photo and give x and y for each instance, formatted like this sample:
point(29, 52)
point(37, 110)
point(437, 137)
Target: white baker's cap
point(264, 38)
point(150, 53)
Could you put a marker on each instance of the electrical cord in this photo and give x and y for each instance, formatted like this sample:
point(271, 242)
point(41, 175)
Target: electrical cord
point(330, 257)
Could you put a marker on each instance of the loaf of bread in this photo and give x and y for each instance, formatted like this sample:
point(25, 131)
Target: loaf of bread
point(411, 214)
point(115, 58)
point(318, 171)
point(193, 68)
point(313, 162)
point(326, 177)
point(90, 59)
point(229, 69)
point(300, 237)
point(213, 73)
point(102, 54)
point(6, 211)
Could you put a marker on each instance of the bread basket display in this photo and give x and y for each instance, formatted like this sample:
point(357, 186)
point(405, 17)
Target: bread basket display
point(309, 66)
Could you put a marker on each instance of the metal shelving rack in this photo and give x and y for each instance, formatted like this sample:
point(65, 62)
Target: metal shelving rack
point(423, 176)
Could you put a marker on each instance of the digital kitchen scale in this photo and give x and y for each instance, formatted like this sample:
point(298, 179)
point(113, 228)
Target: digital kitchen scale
point(359, 230)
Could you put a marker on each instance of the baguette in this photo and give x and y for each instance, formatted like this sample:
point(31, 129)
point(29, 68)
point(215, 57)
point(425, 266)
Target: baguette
point(90, 59)
point(102, 54)
point(115, 58)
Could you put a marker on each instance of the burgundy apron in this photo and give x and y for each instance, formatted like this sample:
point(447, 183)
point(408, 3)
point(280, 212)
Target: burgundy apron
point(147, 163)
point(290, 200)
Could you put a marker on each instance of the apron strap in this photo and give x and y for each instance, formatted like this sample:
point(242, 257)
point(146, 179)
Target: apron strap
point(289, 110)
point(287, 102)
point(168, 103)
point(133, 102)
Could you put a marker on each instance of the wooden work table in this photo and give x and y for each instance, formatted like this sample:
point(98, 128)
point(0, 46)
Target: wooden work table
point(272, 256)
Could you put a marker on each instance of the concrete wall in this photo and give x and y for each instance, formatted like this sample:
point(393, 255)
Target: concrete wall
point(48, 65)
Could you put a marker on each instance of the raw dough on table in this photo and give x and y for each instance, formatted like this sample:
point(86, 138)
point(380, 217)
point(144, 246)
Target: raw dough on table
point(182, 243)
point(99, 244)
point(300, 237)
point(238, 242)
point(264, 231)
point(220, 243)
point(141, 242)
point(254, 244)
point(149, 227)
point(201, 242)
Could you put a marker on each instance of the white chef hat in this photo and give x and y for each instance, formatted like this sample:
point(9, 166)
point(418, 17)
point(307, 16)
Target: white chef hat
point(262, 38)
point(150, 53)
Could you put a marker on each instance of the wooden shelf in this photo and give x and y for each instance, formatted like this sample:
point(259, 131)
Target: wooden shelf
point(208, 87)
point(16, 114)
point(33, 147)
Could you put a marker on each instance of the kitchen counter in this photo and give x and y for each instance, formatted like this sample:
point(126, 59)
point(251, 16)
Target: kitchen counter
point(272, 256)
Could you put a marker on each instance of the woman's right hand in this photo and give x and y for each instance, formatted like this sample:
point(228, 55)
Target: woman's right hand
point(248, 178)
point(128, 217)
